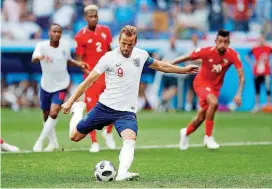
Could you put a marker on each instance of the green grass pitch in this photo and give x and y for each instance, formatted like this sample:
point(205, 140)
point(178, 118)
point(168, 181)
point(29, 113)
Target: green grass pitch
point(230, 166)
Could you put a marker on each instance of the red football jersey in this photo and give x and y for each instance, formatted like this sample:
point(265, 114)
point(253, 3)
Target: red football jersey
point(214, 66)
point(92, 45)
point(262, 56)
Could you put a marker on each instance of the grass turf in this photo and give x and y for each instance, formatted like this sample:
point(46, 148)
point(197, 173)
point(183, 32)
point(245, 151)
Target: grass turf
point(244, 166)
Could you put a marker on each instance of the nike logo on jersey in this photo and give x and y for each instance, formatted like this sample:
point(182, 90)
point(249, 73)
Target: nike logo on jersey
point(103, 35)
point(225, 61)
point(117, 65)
point(90, 41)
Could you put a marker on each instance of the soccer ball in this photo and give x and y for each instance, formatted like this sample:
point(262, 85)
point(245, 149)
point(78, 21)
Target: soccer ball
point(104, 171)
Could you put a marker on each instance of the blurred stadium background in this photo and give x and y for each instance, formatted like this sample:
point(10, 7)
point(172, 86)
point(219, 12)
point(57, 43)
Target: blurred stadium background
point(25, 22)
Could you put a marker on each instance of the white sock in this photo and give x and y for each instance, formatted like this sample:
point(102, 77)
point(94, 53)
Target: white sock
point(47, 128)
point(126, 156)
point(77, 116)
point(52, 136)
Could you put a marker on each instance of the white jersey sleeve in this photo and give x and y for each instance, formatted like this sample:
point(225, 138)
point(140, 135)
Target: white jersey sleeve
point(38, 51)
point(103, 64)
point(149, 60)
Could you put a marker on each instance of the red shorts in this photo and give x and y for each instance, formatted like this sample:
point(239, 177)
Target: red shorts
point(202, 92)
point(93, 92)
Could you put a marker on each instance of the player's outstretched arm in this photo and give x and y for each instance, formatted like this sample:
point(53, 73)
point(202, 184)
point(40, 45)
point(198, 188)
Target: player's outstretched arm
point(238, 96)
point(169, 68)
point(92, 77)
point(81, 64)
point(180, 59)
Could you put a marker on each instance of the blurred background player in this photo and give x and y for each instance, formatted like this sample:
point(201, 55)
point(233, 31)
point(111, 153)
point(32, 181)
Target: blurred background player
point(93, 42)
point(54, 55)
point(261, 70)
point(7, 147)
point(170, 83)
point(190, 78)
point(215, 63)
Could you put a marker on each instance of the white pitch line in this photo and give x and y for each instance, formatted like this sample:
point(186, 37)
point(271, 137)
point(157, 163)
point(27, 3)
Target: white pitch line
point(157, 146)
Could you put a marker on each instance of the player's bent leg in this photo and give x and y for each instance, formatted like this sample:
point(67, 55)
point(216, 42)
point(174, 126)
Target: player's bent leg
point(194, 124)
point(50, 125)
point(97, 118)
point(126, 156)
point(209, 141)
point(77, 111)
point(76, 136)
point(45, 103)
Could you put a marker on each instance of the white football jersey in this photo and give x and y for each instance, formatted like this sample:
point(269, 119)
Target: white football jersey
point(122, 78)
point(55, 75)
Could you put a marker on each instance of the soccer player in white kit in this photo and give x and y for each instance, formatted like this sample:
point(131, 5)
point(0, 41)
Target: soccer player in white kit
point(54, 55)
point(118, 103)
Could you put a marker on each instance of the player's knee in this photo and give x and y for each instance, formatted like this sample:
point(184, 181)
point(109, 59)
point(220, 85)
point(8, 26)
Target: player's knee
point(54, 115)
point(74, 138)
point(214, 103)
point(201, 118)
point(128, 134)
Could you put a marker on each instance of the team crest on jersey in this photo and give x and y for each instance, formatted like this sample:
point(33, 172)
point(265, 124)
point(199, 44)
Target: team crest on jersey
point(225, 61)
point(103, 35)
point(63, 53)
point(136, 62)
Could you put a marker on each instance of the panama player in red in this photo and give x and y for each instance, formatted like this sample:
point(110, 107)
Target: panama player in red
point(261, 69)
point(93, 42)
point(215, 62)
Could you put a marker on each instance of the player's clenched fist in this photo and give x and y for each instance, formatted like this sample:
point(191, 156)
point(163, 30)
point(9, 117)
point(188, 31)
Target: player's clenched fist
point(84, 65)
point(191, 69)
point(66, 107)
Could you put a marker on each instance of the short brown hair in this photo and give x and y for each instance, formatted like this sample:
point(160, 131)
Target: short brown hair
point(129, 31)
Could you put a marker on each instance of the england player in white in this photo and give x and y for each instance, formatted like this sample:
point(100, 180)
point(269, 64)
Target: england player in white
point(118, 103)
point(54, 55)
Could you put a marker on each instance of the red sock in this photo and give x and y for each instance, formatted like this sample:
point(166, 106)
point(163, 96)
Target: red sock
point(109, 128)
point(209, 127)
point(93, 136)
point(191, 128)
point(2, 141)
